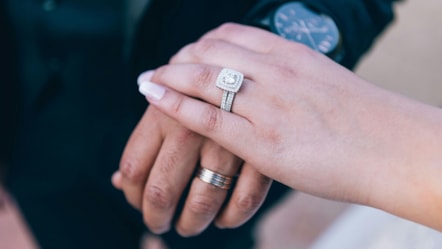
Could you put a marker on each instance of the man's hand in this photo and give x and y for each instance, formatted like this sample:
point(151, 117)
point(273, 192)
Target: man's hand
point(160, 160)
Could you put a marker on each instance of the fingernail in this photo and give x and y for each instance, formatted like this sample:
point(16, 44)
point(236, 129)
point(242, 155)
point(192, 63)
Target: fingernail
point(160, 230)
point(150, 89)
point(219, 226)
point(146, 76)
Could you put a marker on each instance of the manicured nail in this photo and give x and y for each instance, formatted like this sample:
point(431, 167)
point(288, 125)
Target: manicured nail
point(150, 89)
point(219, 226)
point(147, 87)
point(146, 76)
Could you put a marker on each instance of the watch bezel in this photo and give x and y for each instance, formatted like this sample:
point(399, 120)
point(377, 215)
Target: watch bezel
point(335, 53)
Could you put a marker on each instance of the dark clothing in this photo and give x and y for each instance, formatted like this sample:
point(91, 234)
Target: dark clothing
point(69, 103)
point(360, 21)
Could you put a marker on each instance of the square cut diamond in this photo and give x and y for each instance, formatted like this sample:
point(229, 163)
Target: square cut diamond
point(229, 80)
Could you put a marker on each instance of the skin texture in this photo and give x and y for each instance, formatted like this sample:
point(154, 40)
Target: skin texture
point(314, 125)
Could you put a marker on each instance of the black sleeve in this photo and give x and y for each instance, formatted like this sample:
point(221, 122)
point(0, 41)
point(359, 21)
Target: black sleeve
point(360, 21)
point(8, 88)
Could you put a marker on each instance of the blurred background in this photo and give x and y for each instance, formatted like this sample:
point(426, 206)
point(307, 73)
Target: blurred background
point(406, 59)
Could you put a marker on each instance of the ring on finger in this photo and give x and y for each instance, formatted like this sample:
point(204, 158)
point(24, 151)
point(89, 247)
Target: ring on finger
point(230, 81)
point(214, 178)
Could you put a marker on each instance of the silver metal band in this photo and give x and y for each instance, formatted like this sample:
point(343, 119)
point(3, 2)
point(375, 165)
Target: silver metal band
point(213, 178)
point(230, 81)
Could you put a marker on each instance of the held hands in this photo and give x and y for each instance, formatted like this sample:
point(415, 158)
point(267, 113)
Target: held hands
point(307, 122)
point(289, 107)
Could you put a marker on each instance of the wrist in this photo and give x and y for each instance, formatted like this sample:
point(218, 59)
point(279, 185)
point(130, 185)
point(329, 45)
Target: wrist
point(404, 178)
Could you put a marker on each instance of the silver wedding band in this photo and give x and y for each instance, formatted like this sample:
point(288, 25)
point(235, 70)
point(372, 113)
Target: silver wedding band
point(230, 81)
point(213, 178)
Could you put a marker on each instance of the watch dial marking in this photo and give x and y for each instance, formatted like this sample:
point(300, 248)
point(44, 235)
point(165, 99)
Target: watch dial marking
point(295, 22)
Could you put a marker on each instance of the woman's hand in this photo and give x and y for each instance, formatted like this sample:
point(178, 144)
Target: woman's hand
point(305, 121)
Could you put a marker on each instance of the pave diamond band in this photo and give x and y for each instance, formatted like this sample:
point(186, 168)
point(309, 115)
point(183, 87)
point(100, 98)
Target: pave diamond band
point(230, 81)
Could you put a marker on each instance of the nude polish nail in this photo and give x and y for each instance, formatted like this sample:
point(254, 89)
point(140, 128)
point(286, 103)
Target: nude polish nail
point(145, 76)
point(148, 88)
point(151, 90)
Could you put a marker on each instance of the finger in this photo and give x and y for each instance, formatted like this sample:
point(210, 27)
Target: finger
point(138, 157)
point(205, 200)
point(250, 191)
point(153, 242)
point(168, 178)
point(220, 53)
point(200, 81)
point(117, 180)
point(223, 127)
point(252, 38)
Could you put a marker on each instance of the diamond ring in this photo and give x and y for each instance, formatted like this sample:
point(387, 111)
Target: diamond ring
point(230, 81)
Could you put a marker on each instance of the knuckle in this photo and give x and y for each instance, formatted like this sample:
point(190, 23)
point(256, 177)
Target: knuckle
point(158, 197)
point(212, 119)
point(265, 183)
point(248, 204)
point(202, 205)
point(229, 28)
point(131, 170)
point(168, 162)
point(302, 51)
point(160, 73)
point(177, 105)
point(283, 71)
point(173, 155)
point(203, 77)
point(204, 47)
point(186, 136)
point(275, 140)
point(177, 57)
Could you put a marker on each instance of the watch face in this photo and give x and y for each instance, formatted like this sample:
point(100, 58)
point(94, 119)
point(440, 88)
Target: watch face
point(295, 22)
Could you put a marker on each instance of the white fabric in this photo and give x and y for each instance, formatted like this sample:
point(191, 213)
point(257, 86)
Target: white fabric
point(362, 227)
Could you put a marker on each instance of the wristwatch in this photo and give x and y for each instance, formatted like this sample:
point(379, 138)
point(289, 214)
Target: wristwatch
point(296, 22)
